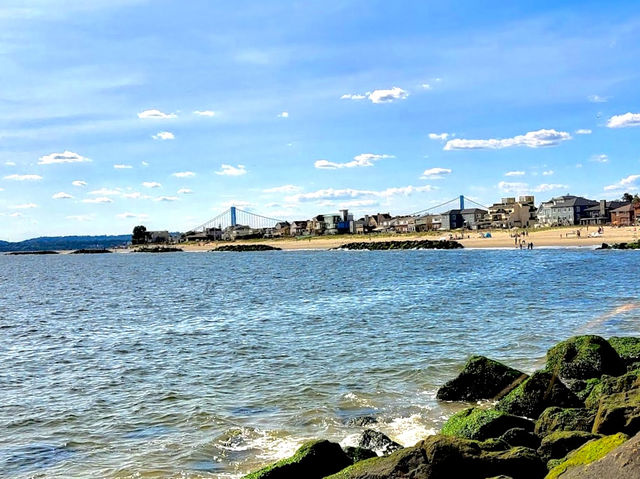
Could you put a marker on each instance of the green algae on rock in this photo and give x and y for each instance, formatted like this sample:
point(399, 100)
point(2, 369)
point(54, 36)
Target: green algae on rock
point(628, 348)
point(558, 444)
point(618, 413)
point(564, 419)
point(611, 385)
point(480, 424)
point(584, 357)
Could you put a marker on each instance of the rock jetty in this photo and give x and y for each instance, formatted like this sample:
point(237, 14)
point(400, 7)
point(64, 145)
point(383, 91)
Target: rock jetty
point(157, 249)
point(633, 245)
point(386, 245)
point(22, 253)
point(579, 417)
point(246, 247)
point(91, 251)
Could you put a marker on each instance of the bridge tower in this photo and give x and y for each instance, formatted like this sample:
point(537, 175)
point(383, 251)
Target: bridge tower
point(461, 202)
point(232, 210)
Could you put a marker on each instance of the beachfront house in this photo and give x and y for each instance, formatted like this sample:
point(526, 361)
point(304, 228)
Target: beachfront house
point(282, 228)
point(158, 237)
point(474, 218)
point(625, 215)
point(298, 228)
point(451, 220)
point(564, 210)
point(600, 214)
point(510, 213)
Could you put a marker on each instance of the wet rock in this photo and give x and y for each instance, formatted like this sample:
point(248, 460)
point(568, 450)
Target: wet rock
point(389, 245)
point(584, 357)
point(361, 421)
point(378, 442)
point(568, 419)
point(558, 444)
point(480, 424)
point(481, 378)
point(621, 463)
point(581, 387)
point(628, 349)
point(518, 436)
point(239, 248)
point(611, 385)
point(618, 413)
point(314, 460)
point(586, 454)
point(357, 454)
point(540, 391)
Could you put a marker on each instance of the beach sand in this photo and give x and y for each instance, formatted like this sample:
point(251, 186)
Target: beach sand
point(545, 238)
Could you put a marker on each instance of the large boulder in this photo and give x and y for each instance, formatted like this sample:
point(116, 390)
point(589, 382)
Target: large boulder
point(378, 442)
point(518, 436)
point(619, 413)
point(581, 387)
point(628, 349)
point(558, 444)
point(588, 453)
point(446, 457)
point(621, 463)
point(611, 385)
point(584, 357)
point(481, 424)
point(564, 419)
point(357, 454)
point(314, 460)
point(481, 378)
point(540, 391)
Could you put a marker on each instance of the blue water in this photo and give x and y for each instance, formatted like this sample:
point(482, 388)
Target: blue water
point(211, 364)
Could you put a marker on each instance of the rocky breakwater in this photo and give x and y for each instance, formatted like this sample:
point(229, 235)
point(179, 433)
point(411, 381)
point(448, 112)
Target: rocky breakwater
point(579, 417)
point(633, 245)
point(246, 247)
point(387, 245)
point(157, 249)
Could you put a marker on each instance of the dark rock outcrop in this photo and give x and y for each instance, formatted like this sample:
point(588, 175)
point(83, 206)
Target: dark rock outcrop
point(386, 245)
point(361, 421)
point(518, 436)
point(91, 251)
point(611, 385)
point(558, 444)
point(584, 357)
point(540, 391)
point(628, 349)
point(555, 419)
point(481, 424)
point(357, 454)
point(239, 248)
point(378, 442)
point(481, 378)
point(619, 413)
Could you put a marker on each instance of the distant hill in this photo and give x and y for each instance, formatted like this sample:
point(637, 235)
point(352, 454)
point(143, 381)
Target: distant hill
point(66, 243)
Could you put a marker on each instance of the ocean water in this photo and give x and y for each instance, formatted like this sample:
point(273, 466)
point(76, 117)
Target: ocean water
point(212, 364)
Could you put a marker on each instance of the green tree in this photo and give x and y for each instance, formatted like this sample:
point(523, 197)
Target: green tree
point(139, 235)
point(627, 197)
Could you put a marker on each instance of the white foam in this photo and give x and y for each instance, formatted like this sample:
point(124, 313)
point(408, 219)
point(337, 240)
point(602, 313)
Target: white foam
point(408, 430)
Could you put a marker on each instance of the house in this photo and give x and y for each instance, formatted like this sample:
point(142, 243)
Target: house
point(158, 237)
point(564, 210)
point(625, 215)
point(421, 224)
point(331, 224)
point(282, 228)
point(473, 218)
point(240, 232)
point(600, 214)
point(298, 228)
point(510, 213)
point(451, 220)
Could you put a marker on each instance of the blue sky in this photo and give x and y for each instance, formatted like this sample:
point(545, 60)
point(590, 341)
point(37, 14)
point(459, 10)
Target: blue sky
point(117, 113)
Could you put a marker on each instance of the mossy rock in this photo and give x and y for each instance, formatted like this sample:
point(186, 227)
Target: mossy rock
point(540, 391)
point(357, 454)
point(481, 378)
point(518, 436)
point(628, 349)
point(584, 357)
point(611, 385)
point(618, 413)
point(558, 444)
point(378, 442)
point(480, 424)
point(314, 460)
point(582, 387)
point(588, 453)
point(564, 419)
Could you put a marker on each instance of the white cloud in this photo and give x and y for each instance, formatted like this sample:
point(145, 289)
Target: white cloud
point(228, 170)
point(514, 173)
point(156, 114)
point(66, 157)
point(284, 114)
point(23, 177)
point(184, 174)
point(144, 163)
point(80, 217)
point(102, 199)
point(435, 173)
point(166, 198)
point(283, 189)
point(438, 136)
point(600, 158)
point(208, 113)
point(548, 187)
point(623, 121)
point(512, 187)
point(122, 167)
point(10, 163)
point(184, 191)
point(349, 96)
point(379, 96)
point(236, 203)
point(24, 206)
point(532, 139)
point(132, 215)
point(61, 196)
point(106, 192)
point(597, 99)
point(16, 215)
point(79, 183)
point(548, 173)
point(364, 159)
point(426, 86)
point(630, 182)
point(134, 195)
point(583, 131)
point(333, 194)
point(151, 184)
point(164, 135)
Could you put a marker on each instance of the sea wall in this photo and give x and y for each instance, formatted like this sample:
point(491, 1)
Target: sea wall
point(393, 245)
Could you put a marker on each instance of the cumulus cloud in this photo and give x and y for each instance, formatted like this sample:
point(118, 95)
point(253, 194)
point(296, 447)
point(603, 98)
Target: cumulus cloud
point(144, 163)
point(156, 114)
point(348, 193)
point(597, 99)
point(514, 173)
point(350, 96)
point(61, 196)
point(122, 167)
point(284, 114)
point(549, 187)
point(80, 217)
point(379, 96)
point(151, 184)
point(16, 215)
point(426, 86)
point(364, 159)
point(512, 187)
point(9, 163)
point(435, 173)
point(583, 131)
point(166, 198)
point(184, 174)
point(106, 192)
point(102, 199)
point(548, 173)
point(133, 195)
point(164, 135)
point(228, 170)
point(439, 136)
point(140, 216)
point(600, 158)
point(23, 177)
point(79, 183)
point(184, 191)
point(630, 182)
point(624, 121)
point(24, 206)
point(65, 157)
point(283, 189)
point(208, 113)
point(532, 139)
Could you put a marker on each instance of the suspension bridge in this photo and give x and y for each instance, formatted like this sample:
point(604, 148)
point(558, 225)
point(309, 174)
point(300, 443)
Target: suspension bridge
point(234, 216)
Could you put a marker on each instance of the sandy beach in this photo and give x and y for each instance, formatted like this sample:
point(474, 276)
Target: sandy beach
point(545, 238)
